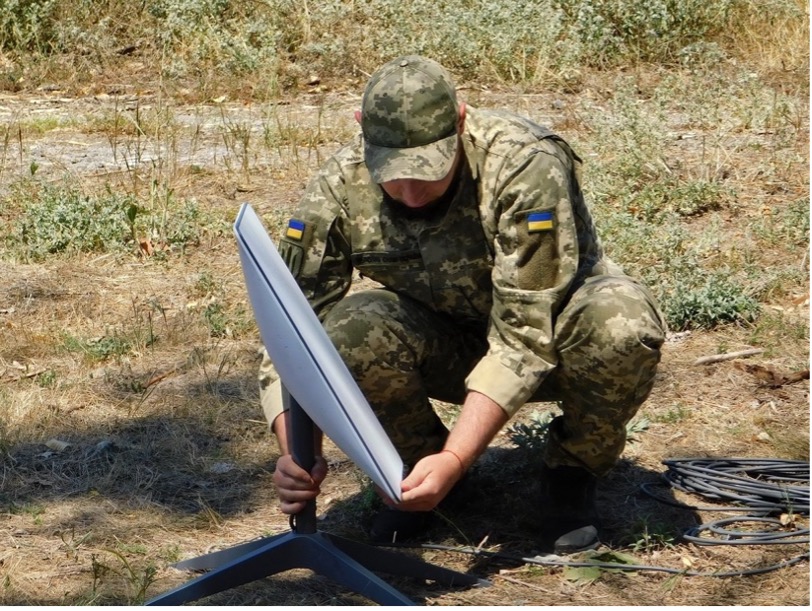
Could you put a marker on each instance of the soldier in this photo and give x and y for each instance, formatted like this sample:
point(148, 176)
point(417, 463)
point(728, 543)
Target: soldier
point(495, 292)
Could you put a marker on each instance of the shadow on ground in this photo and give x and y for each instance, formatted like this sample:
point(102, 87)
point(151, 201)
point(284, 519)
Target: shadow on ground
point(496, 509)
point(188, 465)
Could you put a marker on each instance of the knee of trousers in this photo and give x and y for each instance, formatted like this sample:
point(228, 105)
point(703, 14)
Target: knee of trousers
point(610, 336)
point(371, 327)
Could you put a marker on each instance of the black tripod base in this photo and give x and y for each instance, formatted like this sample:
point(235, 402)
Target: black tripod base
point(339, 559)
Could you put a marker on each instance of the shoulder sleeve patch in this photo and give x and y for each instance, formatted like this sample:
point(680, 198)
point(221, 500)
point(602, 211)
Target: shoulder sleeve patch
point(539, 221)
point(536, 250)
point(295, 230)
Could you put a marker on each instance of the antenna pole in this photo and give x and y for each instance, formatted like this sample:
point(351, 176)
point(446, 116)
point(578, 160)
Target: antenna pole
point(342, 560)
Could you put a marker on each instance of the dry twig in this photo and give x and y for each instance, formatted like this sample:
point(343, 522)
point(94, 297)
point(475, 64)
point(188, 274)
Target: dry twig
point(727, 356)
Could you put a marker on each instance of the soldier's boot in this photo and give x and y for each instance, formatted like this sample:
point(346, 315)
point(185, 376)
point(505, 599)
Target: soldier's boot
point(569, 517)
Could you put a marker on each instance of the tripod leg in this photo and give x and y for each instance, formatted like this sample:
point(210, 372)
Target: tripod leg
point(328, 560)
point(207, 562)
point(289, 551)
point(281, 554)
point(390, 562)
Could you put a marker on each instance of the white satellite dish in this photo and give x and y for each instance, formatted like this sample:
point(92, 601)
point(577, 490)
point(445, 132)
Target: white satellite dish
point(307, 362)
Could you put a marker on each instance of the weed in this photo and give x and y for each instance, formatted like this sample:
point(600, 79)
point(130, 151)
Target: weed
point(5, 440)
point(207, 285)
point(531, 437)
point(707, 301)
point(650, 537)
point(214, 42)
point(97, 349)
point(774, 329)
point(32, 509)
point(222, 322)
point(137, 578)
point(677, 413)
point(649, 30)
point(216, 320)
point(237, 139)
point(171, 554)
point(63, 220)
point(72, 543)
point(28, 25)
point(787, 224)
point(635, 427)
point(47, 379)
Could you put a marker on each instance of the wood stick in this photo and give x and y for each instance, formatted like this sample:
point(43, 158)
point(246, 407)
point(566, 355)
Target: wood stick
point(727, 356)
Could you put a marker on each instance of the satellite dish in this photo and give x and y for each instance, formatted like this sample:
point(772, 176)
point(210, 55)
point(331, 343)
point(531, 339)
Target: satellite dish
point(307, 362)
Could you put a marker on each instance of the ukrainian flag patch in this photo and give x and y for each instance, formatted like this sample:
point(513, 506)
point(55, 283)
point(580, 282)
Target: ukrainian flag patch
point(295, 230)
point(539, 221)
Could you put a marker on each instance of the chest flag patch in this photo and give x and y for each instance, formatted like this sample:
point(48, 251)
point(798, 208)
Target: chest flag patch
point(295, 229)
point(539, 221)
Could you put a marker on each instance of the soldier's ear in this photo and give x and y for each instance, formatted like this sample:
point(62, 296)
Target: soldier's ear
point(358, 116)
point(461, 118)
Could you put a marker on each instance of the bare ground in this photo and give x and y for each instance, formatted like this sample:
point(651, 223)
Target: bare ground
point(168, 457)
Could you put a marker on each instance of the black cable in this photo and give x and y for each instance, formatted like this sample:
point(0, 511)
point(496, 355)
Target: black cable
point(759, 487)
point(775, 534)
point(764, 485)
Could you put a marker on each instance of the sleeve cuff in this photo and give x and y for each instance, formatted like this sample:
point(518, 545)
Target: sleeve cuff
point(502, 385)
point(270, 397)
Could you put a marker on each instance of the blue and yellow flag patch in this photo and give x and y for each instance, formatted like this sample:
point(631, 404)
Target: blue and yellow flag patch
point(295, 229)
point(539, 221)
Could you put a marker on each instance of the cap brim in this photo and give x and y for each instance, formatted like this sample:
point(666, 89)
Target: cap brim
point(428, 162)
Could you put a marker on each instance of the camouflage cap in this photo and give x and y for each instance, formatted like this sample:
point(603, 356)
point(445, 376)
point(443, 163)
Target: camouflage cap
point(409, 119)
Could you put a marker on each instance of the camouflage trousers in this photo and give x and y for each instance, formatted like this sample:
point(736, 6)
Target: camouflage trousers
point(402, 354)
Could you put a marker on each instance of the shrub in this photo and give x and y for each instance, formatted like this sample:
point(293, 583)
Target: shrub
point(707, 300)
point(487, 40)
point(68, 221)
point(65, 220)
point(27, 25)
point(648, 30)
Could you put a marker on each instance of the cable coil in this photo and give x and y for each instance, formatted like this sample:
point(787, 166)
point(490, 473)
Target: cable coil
point(758, 487)
point(766, 486)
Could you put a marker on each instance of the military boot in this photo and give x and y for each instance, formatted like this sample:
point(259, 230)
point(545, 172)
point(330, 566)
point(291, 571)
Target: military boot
point(569, 519)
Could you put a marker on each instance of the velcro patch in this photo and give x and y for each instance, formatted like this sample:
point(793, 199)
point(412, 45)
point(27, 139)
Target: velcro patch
point(295, 230)
point(539, 221)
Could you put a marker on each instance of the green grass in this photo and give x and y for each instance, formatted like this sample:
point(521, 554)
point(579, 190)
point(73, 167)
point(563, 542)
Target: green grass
point(64, 220)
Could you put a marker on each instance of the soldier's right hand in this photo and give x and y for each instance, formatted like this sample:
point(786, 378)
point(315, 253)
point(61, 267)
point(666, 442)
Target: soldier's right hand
point(294, 485)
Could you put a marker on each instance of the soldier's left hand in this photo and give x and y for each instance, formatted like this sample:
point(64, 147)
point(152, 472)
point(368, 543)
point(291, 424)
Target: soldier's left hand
point(429, 482)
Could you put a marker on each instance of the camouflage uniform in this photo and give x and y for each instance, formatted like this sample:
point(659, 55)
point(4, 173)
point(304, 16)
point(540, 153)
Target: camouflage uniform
point(502, 288)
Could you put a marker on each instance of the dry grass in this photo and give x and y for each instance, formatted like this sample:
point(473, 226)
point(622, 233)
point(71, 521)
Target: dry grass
point(143, 365)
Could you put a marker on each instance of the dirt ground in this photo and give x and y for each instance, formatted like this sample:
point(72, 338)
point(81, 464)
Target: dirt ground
point(168, 457)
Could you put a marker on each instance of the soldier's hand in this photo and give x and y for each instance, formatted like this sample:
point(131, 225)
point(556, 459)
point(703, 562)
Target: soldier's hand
point(429, 482)
point(294, 485)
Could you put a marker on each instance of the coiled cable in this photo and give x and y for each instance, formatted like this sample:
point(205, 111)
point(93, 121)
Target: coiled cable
point(761, 487)
point(766, 486)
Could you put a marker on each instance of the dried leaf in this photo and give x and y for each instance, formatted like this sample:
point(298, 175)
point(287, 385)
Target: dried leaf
point(582, 575)
point(687, 561)
point(787, 519)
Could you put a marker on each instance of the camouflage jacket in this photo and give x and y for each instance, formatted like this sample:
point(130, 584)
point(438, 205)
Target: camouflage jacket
point(502, 252)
